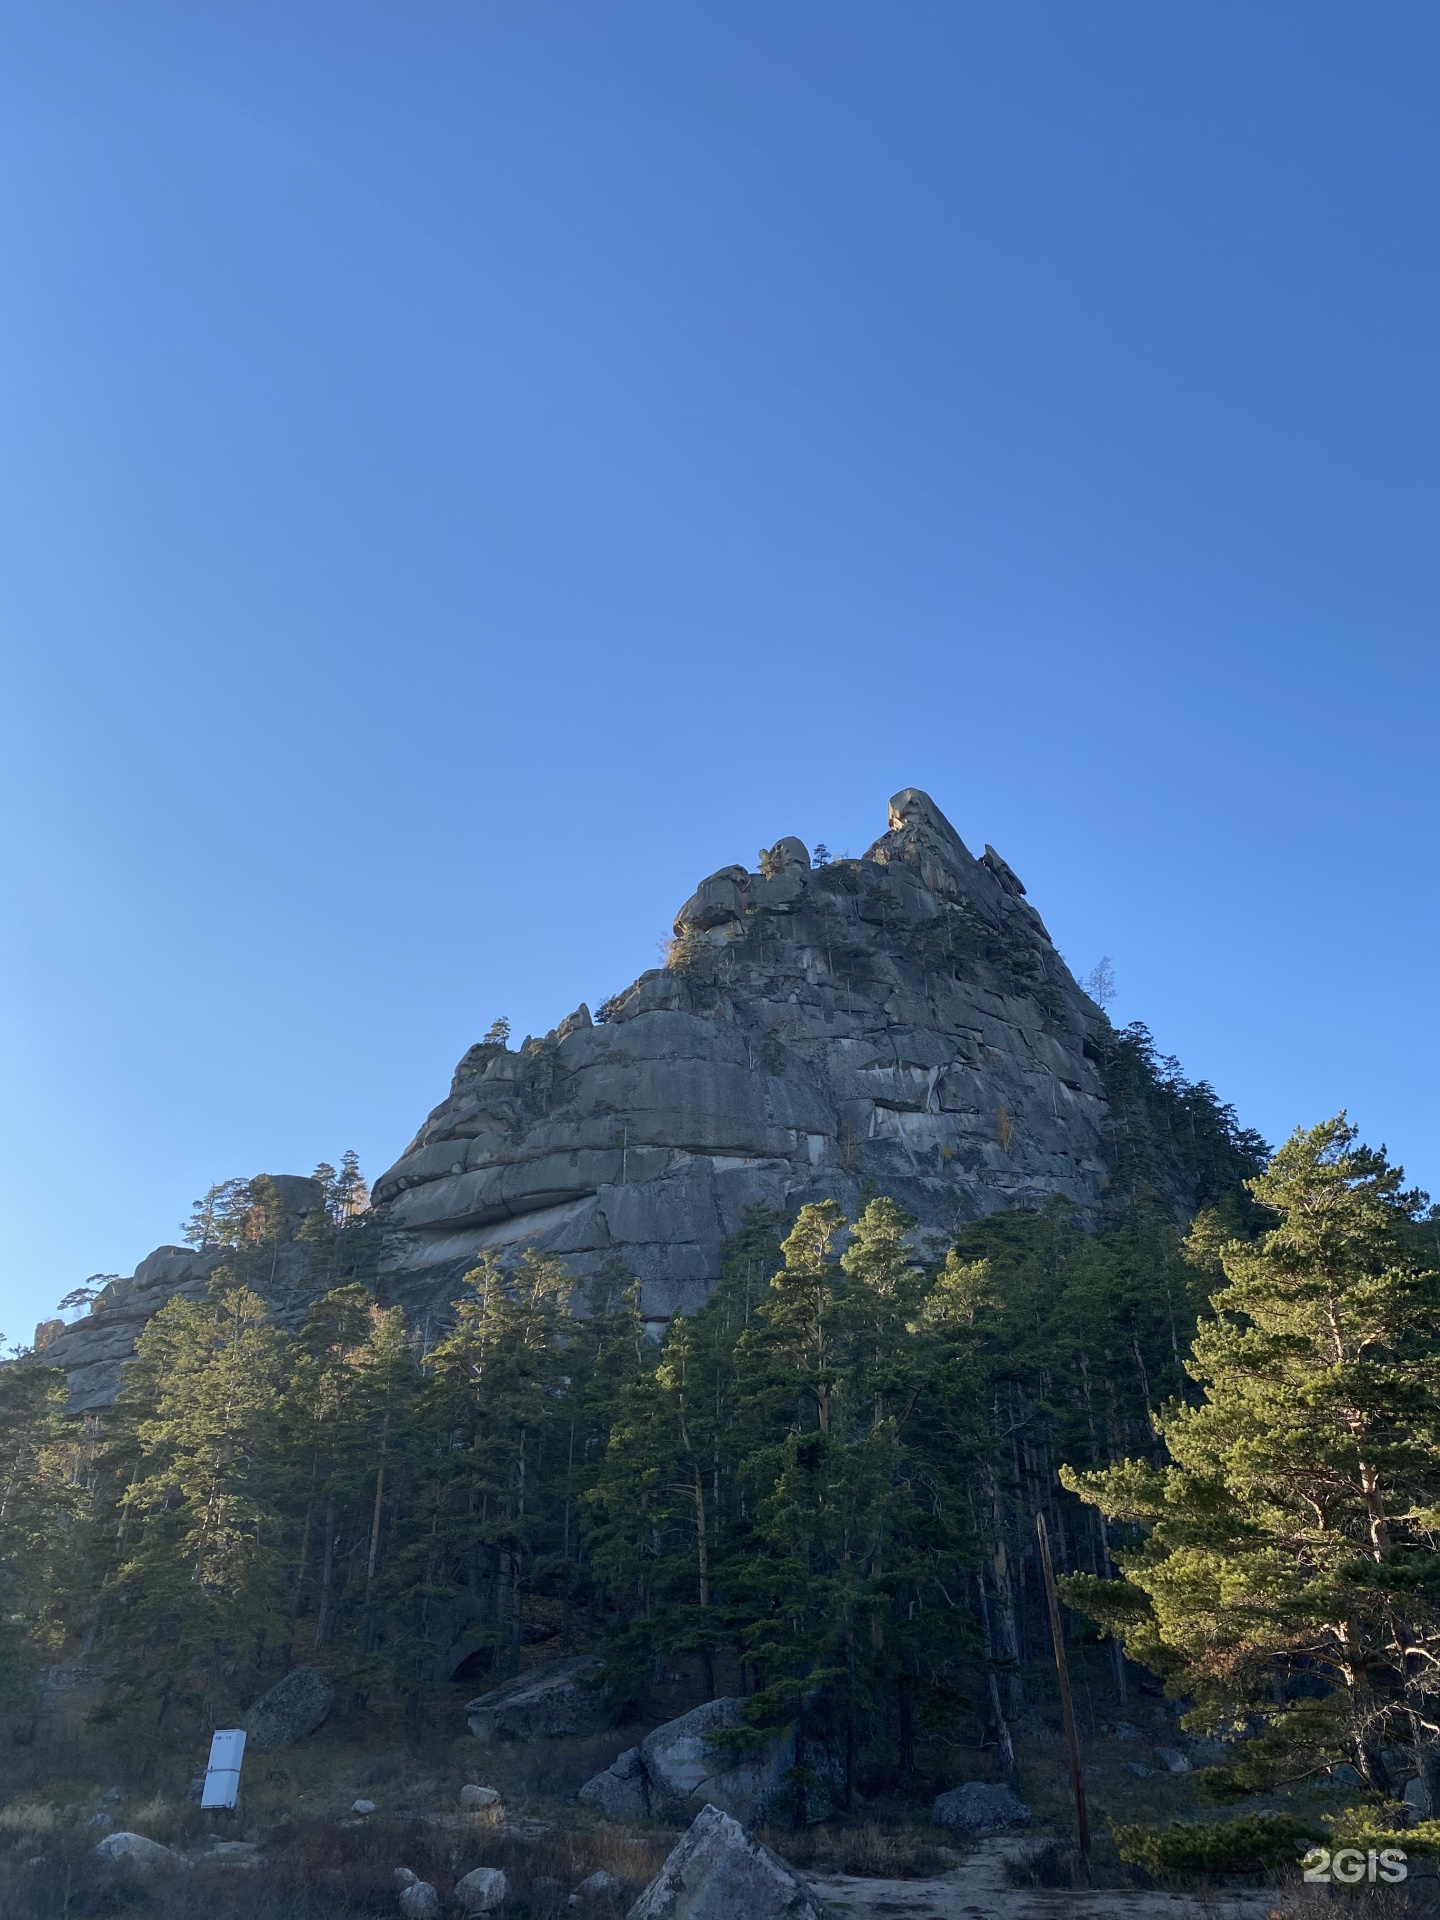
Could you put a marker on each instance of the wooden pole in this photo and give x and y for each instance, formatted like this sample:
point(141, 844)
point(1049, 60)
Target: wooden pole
point(1067, 1705)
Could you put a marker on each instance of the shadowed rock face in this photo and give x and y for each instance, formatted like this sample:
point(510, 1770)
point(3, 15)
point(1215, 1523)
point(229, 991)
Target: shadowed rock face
point(901, 1020)
point(899, 1023)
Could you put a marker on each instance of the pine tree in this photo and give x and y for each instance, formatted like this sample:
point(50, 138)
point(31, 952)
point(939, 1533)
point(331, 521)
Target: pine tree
point(495, 1411)
point(199, 1586)
point(1296, 1523)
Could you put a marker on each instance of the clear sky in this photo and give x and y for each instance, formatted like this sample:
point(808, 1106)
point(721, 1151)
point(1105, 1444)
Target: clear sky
point(469, 468)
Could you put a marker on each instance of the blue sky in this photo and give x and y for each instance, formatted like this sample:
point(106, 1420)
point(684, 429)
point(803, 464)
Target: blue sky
point(469, 470)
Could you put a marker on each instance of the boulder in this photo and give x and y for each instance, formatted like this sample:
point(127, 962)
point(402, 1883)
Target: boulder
point(621, 1792)
point(420, 1901)
point(546, 1702)
point(135, 1847)
point(1172, 1759)
point(292, 1708)
point(686, 1769)
point(717, 1871)
point(482, 1891)
point(599, 1886)
point(484, 1802)
point(980, 1806)
point(362, 1807)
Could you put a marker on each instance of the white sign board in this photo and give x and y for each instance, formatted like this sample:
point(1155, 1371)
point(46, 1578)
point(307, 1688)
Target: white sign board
point(222, 1776)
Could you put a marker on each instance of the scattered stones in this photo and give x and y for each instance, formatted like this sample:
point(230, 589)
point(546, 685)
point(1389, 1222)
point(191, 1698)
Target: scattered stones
point(484, 1803)
point(420, 1901)
point(363, 1807)
point(292, 1708)
point(482, 1891)
point(136, 1848)
point(717, 1871)
point(980, 1806)
point(1172, 1759)
point(545, 1703)
point(1139, 1769)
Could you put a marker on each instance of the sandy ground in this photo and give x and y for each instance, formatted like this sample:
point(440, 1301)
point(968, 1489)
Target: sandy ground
point(977, 1891)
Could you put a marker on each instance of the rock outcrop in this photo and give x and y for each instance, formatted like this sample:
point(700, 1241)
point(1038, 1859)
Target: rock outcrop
point(897, 1023)
point(901, 1020)
point(93, 1350)
point(547, 1702)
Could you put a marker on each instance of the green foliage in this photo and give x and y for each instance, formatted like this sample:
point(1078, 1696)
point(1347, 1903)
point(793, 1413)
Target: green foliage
point(1296, 1521)
point(1250, 1843)
point(1381, 1824)
point(820, 1488)
point(40, 1504)
point(1169, 1134)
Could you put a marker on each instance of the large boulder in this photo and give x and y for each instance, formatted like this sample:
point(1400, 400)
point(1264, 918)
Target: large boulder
point(717, 1871)
point(687, 1768)
point(981, 1806)
point(292, 1708)
point(686, 1764)
point(546, 1702)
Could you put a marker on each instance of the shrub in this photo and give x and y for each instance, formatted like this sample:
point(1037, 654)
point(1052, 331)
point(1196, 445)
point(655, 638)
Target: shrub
point(1380, 1825)
point(1253, 1843)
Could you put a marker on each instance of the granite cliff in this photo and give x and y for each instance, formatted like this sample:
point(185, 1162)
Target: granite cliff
point(899, 1023)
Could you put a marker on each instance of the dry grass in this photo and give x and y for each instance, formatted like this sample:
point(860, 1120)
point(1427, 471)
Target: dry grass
point(312, 1870)
point(868, 1850)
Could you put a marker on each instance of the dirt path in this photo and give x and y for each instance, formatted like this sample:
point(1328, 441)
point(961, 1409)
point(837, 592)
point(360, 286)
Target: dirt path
point(977, 1891)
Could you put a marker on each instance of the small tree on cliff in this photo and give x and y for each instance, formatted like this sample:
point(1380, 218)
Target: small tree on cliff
point(1297, 1526)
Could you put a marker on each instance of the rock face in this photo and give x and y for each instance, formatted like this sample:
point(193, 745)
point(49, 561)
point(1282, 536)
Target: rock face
point(681, 1767)
point(899, 1023)
point(545, 1703)
point(292, 1708)
point(717, 1871)
point(902, 1020)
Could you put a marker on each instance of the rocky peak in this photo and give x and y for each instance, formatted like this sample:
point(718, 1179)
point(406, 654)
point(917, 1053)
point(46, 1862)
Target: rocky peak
point(899, 1023)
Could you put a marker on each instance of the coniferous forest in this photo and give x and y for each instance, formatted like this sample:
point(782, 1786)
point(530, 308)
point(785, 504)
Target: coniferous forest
point(820, 1492)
